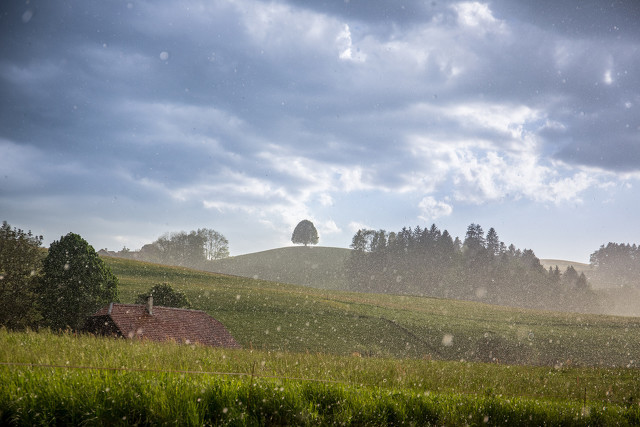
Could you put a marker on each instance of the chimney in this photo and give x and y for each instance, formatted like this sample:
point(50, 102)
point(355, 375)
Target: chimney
point(150, 305)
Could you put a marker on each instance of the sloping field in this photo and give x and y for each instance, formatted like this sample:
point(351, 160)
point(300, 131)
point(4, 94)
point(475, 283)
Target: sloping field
point(273, 316)
point(318, 267)
point(315, 266)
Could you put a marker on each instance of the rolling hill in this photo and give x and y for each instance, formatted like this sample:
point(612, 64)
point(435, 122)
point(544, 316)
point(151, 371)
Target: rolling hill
point(318, 267)
point(282, 317)
point(323, 268)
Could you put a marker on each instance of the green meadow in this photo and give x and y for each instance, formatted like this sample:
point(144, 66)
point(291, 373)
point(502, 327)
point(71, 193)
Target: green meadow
point(279, 317)
point(55, 380)
point(314, 356)
point(315, 266)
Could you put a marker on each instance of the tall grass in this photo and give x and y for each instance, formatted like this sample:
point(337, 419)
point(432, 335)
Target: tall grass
point(606, 385)
point(43, 397)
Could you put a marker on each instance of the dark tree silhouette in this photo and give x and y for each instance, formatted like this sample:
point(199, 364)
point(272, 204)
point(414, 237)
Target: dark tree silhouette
point(76, 283)
point(20, 265)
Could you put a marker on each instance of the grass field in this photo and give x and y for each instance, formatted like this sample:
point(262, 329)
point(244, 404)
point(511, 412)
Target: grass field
point(315, 266)
point(147, 382)
point(272, 316)
point(389, 359)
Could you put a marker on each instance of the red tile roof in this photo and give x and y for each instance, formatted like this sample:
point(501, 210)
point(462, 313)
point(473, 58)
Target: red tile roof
point(166, 324)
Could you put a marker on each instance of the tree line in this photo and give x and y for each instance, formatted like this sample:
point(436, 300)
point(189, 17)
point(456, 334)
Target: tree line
point(192, 249)
point(58, 288)
point(430, 262)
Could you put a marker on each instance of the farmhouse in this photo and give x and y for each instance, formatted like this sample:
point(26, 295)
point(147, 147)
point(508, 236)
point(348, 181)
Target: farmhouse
point(181, 325)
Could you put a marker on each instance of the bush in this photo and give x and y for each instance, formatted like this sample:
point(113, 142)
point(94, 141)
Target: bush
point(164, 295)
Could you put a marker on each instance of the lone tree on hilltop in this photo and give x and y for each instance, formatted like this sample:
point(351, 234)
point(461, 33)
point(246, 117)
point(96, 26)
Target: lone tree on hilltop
point(305, 233)
point(76, 283)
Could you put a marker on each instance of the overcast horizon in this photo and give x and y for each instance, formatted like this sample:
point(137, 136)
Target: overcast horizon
point(122, 121)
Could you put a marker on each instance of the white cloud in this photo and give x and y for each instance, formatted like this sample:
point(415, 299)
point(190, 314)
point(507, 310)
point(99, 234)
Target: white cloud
point(354, 226)
point(282, 30)
point(432, 209)
point(325, 200)
point(328, 227)
point(478, 16)
point(503, 118)
point(480, 170)
point(345, 46)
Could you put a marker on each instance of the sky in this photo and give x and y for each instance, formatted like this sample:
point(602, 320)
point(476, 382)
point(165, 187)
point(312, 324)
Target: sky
point(124, 120)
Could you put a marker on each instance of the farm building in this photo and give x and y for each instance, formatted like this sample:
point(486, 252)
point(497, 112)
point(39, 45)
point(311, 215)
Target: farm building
point(181, 325)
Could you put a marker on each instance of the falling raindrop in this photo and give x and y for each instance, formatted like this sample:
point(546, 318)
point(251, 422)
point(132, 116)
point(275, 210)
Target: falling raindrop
point(27, 15)
point(447, 340)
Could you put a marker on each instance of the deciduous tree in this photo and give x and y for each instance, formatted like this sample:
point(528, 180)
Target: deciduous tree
point(305, 233)
point(76, 283)
point(216, 246)
point(20, 265)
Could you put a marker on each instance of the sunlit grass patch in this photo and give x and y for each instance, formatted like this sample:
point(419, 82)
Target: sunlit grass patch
point(35, 396)
point(617, 386)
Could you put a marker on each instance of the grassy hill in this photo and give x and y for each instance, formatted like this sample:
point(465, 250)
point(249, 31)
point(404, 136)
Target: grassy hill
point(563, 264)
point(315, 266)
point(281, 317)
point(323, 268)
point(318, 267)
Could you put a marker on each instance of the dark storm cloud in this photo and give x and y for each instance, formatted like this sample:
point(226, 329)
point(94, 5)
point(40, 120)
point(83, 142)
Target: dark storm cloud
point(274, 109)
point(584, 19)
point(376, 11)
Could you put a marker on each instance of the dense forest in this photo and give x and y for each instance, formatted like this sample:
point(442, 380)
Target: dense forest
point(432, 263)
